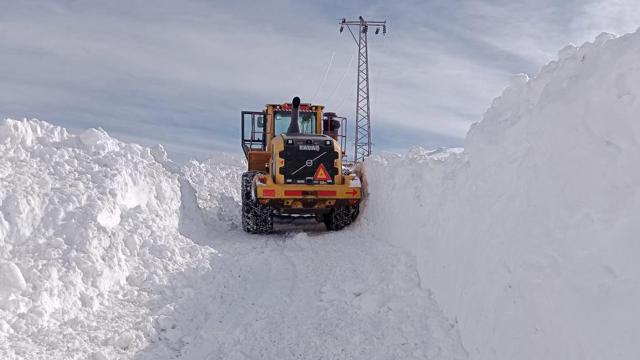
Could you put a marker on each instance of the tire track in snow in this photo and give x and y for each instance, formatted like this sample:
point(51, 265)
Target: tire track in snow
point(292, 296)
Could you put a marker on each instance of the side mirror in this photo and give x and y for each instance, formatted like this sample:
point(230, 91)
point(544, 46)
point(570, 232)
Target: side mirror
point(260, 122)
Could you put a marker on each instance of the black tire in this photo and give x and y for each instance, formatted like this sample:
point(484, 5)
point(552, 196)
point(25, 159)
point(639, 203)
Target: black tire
point(340, 217)
point(355, 211)
point(257, 218)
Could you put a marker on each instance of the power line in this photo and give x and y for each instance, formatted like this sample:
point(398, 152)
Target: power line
point(324, 78)
point(344, 75)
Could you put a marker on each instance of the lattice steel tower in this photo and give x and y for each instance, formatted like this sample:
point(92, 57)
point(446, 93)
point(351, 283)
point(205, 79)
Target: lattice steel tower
point(363, 108)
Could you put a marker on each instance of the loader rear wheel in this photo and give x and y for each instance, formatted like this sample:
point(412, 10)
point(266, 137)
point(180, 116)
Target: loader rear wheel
point(340, 217)
point(257, 218)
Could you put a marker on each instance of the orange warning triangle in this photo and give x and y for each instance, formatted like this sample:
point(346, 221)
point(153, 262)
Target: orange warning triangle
point(321, 174)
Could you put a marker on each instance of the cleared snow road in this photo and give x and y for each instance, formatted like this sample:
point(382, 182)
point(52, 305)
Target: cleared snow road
point(303, 294)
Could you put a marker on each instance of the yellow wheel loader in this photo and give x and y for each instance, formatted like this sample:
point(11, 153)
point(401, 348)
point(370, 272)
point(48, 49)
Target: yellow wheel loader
point(294, 155)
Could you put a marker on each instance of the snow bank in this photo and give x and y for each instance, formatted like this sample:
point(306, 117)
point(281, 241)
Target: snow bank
point(89, 228)
point(529, 238)
point(217, 192)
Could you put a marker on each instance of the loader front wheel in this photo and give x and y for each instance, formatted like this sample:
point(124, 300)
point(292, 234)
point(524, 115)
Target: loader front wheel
point(257, 218)
point(340, 217)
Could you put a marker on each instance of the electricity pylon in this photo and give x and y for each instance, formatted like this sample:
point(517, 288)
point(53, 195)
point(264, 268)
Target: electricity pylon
point(363, 108)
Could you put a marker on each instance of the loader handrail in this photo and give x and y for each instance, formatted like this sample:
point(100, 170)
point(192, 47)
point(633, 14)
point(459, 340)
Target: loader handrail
point(253, 131)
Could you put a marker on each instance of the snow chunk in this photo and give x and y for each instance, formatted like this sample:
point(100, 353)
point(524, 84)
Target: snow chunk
point(98, 140)
point(355, 183)
point(567, 52)
point(29, 132)
point(11, 279)
point(109, 217)
point(99, 355)
point(603, 38)
point(126, 340)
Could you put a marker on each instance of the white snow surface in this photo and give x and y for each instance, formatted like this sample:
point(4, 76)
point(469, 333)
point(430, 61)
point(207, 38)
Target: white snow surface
point(522, 246)
point(530, 237)
point(110, 251)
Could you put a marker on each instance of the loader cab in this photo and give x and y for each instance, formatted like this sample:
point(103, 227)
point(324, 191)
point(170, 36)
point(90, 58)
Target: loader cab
point(259, 128)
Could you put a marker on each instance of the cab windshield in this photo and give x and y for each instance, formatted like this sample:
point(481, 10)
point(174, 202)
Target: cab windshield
point(306, 122)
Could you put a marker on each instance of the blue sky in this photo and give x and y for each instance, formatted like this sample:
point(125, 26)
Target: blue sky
point(180, 72)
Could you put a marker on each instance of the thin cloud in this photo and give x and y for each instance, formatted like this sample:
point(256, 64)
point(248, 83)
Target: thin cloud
point(180, 72)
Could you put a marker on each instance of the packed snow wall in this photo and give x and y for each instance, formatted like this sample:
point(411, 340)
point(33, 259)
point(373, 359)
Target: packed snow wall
point(90, 232)
point(530, 237)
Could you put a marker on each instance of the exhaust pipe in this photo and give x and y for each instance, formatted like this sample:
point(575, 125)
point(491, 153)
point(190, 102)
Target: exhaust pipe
point(294, 128)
